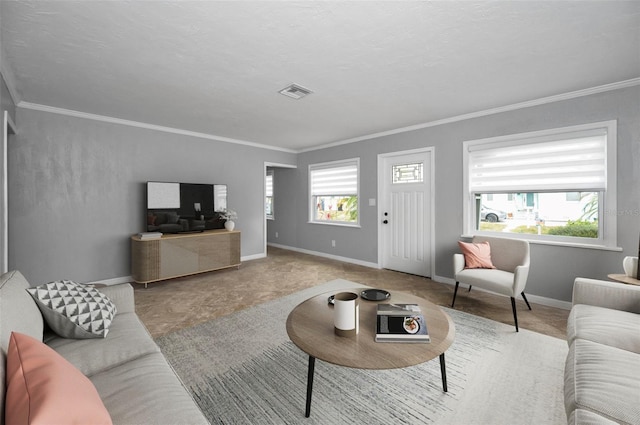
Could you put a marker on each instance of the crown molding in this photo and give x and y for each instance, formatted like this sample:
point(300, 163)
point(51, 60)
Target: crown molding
point(120, 121)
point(536, 102)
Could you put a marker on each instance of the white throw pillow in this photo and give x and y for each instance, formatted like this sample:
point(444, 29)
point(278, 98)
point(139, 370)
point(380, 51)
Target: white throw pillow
point(74, 310)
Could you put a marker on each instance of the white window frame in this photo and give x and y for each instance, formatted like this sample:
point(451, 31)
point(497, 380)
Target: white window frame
point(269, 176)
point(312, 202)
point(607, 218)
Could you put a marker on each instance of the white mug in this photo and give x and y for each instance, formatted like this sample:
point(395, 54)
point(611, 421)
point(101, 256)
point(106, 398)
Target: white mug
point(630, 266)
point(346, 314)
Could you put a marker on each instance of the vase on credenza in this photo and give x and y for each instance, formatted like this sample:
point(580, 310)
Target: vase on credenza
point(229, 216)
point(630, 266)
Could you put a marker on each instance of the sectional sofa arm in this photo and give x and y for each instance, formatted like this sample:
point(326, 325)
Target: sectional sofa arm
point(458, 264)
point(601, 293)
point(121, 295)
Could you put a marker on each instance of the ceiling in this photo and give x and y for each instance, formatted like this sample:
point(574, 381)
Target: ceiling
point(216, 67)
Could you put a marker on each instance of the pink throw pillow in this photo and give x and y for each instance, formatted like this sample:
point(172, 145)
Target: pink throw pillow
point(44, 388)
point(476, 255)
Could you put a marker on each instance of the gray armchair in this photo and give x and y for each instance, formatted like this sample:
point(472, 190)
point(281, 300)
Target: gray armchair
point(511, 259)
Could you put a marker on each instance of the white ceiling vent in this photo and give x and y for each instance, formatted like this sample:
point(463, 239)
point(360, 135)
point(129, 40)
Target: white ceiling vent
point(295, 91)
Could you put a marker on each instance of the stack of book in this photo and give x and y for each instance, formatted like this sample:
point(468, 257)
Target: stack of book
point(401, 323)
point(149, 235)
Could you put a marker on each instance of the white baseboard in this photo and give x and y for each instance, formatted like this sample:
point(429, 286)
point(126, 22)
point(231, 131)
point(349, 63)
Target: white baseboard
point(549, 302)
point(330, 256)
point(254, 257)
point(114, 281)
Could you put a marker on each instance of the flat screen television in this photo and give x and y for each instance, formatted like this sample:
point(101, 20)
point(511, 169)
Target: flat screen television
point(174, 207)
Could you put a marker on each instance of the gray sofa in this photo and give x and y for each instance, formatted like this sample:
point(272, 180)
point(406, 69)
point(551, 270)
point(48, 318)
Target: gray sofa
point(132, 377)
point(602, 370)
point(166, 222)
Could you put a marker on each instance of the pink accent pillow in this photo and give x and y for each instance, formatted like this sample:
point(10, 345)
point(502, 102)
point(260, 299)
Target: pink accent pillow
point(476, 255)
point(44, 388)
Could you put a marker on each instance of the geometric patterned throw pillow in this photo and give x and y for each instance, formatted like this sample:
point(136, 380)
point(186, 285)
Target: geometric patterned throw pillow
point(74, 310)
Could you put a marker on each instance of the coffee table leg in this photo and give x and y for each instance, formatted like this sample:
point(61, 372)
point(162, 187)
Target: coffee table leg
point(312, 365)
point(443, 372)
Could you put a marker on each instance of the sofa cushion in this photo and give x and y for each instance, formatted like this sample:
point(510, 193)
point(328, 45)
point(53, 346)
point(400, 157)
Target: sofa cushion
point(476, 255)
point(18, 312)
point(585, 417)
point(161, 218)
point(172, 217)
point(44, 388)
point(146, 391)
point(602, 379)
point(121, 295)
point(491, 279)
point(74, 310)
point(127, 340)
point(166, 217)
point(616, 328)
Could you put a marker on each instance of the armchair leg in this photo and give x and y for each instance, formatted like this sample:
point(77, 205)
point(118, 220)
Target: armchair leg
point(525, 300)
point(469, 288)
point(515, 315)
point(455, 292)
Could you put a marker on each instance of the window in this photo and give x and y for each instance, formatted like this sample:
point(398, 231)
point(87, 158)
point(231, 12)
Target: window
point(268, 192)
point(553, 185)
point(333, 189)
point(407, 173)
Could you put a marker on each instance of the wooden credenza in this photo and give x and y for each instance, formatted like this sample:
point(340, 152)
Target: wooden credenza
point(177, 255)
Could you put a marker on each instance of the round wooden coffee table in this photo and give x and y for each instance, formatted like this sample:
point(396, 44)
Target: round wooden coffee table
point(310, 328)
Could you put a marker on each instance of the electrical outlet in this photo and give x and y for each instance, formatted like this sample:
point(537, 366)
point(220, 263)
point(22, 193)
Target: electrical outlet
point(333, 243)
point(276, 234)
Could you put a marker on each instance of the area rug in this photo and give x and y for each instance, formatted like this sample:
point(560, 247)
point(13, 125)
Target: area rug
point(242, 369)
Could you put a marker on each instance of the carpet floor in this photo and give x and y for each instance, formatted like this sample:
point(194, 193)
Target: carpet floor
point(174, 304)
point(242, 369)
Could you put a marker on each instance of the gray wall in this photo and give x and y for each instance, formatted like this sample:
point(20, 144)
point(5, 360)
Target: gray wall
point(6, 101)
point(76, 191)
point(285, 208)
point(6, 104)
point(553, 267)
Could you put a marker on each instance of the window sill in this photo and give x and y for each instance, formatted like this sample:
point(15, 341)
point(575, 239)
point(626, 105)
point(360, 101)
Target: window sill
point(558, 243)
point(328, 223)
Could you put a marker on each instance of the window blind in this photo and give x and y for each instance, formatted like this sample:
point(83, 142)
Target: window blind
point(268, 189)
point(334, 180)
point(574, 162)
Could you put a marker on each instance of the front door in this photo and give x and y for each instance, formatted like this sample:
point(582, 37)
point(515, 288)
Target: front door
point(405, 183)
